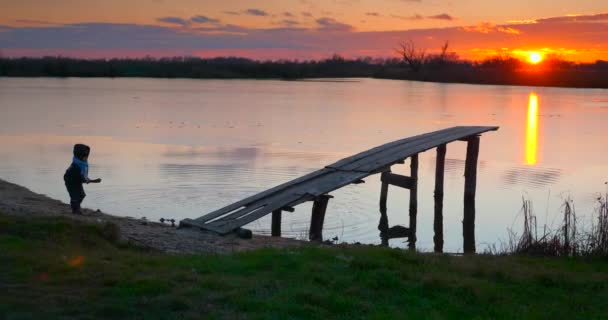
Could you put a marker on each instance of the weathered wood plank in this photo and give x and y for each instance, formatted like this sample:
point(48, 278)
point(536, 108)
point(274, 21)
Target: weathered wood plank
point(297, 194)
point(274, 203)
point(470, 184)
point(383, 223)
point(321, 185)
point(226, 225)
point(320, 182)
point(314, 175)
point(413, 201)
point(398, 180)
point(438, 195)
point(399, 232)
point(391, 156)
point(222, 211)
point(367, 153)
point(276, 223)
point(395, 154)
point(235, 214)
point(331, 182)
point(455, 132)
point(317, 219)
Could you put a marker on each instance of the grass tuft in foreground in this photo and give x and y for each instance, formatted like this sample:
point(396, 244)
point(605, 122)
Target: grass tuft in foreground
point(570, 238)
point(58, 269)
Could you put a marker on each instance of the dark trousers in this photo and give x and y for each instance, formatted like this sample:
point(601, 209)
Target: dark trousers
point(76, 196)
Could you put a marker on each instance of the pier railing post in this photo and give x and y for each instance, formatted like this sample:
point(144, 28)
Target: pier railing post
point(383, 224)
point(276, 223)
point(470, 184)
point(319, 207)
point(413, 201)
point(438, 218)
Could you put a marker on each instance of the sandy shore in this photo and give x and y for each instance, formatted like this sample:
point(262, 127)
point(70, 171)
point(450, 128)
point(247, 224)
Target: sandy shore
point(17, 200)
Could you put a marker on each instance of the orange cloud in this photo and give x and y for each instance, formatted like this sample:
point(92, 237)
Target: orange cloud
point(487, 27)
point(528, 21)
point(600, 17)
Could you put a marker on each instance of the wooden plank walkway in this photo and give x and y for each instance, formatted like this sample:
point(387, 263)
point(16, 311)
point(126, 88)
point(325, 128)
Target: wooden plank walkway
point(318, 184)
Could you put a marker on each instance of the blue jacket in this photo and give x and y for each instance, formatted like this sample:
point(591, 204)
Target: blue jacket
point(77, 173)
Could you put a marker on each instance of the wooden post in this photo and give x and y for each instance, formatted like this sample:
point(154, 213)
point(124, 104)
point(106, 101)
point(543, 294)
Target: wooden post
point(438, 219)
point(276, 223)
point(315, 233)
point(413, 201)
point(470, 184)
point(383, 224)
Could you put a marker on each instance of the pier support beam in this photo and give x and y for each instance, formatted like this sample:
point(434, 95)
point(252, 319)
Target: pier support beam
point(319, 207)
point(470, 184)
point(383, 224)
point(413, 201)
point(438, 218)
point(276, 223)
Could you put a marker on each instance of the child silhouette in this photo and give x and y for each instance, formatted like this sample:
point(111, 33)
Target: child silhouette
point(76, 175)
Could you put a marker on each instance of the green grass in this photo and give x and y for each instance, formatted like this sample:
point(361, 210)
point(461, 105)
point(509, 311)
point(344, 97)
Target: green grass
point(42, 277)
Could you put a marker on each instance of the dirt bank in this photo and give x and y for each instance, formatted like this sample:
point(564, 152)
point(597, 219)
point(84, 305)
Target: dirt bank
point(17, 200)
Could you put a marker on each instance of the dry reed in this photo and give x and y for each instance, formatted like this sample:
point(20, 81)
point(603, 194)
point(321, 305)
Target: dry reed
point(569, 239)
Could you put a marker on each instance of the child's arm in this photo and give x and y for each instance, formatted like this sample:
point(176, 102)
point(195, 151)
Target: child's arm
point(98, 180)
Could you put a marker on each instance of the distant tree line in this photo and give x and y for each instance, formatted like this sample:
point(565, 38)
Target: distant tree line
point(188, 67)
point(413, 64)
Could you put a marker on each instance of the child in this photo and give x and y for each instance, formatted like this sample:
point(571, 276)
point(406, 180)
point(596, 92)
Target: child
point(76, 175)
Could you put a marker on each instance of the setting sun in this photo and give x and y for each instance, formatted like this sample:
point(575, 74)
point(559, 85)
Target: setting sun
point(535, 57)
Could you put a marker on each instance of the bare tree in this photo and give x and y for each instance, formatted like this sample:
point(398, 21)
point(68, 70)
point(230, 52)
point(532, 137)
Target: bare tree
point(444, 52)
point(412, 56)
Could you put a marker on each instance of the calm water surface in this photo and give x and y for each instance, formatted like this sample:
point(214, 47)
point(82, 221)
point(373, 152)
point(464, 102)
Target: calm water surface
point(181, 148)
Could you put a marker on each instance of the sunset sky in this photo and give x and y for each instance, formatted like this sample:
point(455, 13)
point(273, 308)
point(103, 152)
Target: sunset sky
point(302, 29)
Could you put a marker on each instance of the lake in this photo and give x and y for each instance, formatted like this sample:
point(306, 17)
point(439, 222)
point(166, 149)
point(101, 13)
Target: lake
point(178, 148)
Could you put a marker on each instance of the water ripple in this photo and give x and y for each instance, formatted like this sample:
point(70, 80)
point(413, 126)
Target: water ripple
point(533, 177)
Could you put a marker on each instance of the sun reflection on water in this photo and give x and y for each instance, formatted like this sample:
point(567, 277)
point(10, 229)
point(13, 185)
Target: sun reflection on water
point(532, 130)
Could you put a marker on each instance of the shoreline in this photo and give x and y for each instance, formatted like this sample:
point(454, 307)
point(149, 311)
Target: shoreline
point(328, 79)
point(16, 200)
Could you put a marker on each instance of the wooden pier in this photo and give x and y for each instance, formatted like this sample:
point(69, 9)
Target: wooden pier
point(315, 187)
